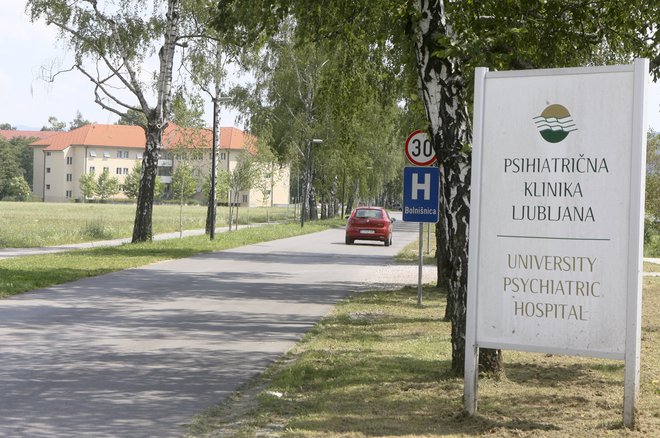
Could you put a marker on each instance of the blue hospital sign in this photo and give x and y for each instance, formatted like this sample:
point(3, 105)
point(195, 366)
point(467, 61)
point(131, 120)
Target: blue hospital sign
point(421, 189)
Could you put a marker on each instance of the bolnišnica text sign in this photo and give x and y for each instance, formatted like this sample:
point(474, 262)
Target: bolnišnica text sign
point(556, 218)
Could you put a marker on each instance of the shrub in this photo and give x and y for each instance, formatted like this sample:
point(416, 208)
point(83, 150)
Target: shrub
point(96, 229)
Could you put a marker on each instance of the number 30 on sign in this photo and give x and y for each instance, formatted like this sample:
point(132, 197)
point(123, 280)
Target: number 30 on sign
point(419, 149)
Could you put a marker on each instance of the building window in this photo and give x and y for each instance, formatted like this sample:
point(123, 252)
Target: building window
point(106, 169)
point(69, 177)
point(92, 153)
point(47, 186)
point(125, 154)
point(47, 169)
point(125, 171)
point(223, 156)
point(119, 171)
point(48, 154)
point(69, 160)
point(245, 199)
point(138, 156)
point(106, 154)
point(68, 194)
point(92, 169)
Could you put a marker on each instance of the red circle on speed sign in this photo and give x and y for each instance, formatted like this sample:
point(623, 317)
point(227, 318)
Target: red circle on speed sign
point(419, 149)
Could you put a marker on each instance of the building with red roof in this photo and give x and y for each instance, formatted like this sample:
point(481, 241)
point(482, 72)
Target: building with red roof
point(60, 159)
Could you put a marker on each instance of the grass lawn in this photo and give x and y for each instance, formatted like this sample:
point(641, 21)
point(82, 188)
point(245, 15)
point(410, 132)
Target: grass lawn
point(378, 366)
point(34, 224)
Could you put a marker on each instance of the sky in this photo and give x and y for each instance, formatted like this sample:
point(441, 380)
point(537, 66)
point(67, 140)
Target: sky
point(27, 101)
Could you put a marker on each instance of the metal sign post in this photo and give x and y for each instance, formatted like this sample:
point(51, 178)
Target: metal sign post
point(421, 190)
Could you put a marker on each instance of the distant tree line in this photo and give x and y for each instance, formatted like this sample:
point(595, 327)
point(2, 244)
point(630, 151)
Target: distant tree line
point(16, 174)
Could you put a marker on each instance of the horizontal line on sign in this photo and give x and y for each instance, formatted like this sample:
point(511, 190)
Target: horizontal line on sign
point(507, 236)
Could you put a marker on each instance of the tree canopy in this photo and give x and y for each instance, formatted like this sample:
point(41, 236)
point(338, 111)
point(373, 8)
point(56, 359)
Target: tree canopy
point(439, 43)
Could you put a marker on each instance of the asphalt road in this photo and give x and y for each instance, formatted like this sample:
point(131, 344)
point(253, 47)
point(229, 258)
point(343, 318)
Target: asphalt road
point(139, 352)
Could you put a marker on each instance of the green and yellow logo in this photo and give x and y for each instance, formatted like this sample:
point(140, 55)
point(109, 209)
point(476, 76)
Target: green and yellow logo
point(555, 123)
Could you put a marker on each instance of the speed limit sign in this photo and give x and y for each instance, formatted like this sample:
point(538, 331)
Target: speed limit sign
point(419, 149)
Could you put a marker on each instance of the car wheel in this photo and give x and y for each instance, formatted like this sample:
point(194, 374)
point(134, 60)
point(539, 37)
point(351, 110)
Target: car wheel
point(388, 242)
point(349, 241)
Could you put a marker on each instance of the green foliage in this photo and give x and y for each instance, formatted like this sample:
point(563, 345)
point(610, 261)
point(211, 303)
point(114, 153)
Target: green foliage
point(337, 90)
point(118, 37)
point(221, 187)
point(96, 230)
point(159, 188)
point(78, 122)
point(18, 189)
point(184, 186)
point(25, 156)
point(652, 202)
point(504, 35)
point(9, 167)
point(88, 185)
point(106, 186)
point(243, 176)
point(132, 181)
point(187, 111)
point(133, 118)
point(54, 125)
point(653, 176)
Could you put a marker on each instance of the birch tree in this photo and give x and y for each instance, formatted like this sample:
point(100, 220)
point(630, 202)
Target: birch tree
point(206, 58)
point(112, 42)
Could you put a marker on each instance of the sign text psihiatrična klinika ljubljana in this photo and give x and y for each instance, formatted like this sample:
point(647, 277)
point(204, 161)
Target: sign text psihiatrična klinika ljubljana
point(556, 216)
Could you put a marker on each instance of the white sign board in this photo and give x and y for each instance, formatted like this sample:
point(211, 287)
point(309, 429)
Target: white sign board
point(557, 210)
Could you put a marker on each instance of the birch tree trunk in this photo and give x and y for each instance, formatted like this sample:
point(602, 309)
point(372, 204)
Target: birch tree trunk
point(212, 204)
point(443, 91)
point(156, 123)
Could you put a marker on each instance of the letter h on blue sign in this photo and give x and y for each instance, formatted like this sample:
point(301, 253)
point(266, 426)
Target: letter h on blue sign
point(421, 189)
point(425, 186)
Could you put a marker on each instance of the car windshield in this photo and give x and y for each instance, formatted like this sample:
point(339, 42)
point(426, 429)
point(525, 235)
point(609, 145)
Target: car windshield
point(371, 214)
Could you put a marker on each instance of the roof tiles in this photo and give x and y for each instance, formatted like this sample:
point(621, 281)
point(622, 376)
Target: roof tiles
point(126, 136)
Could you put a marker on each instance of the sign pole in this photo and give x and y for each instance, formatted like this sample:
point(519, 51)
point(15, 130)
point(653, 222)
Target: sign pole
point(428, 239)
point(471, 370)
point(635, 248)
point(420, 192)
point(421, 264)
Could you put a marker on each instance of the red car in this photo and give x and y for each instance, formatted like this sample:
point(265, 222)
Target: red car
point(369, 223)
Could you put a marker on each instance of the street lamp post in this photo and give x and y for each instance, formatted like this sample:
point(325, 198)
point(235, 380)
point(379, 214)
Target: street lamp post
point(214, 165)
point(308, 177)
